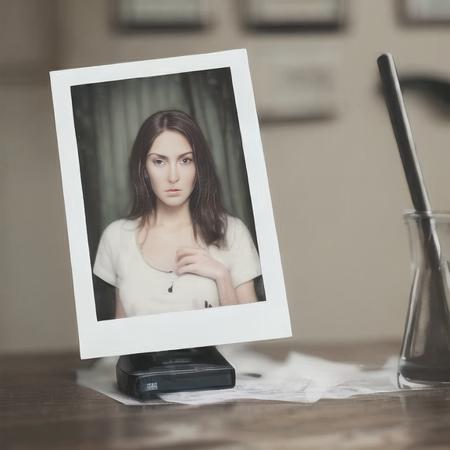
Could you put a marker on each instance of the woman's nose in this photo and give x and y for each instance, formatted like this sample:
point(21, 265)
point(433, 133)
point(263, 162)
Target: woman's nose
point(173, 173)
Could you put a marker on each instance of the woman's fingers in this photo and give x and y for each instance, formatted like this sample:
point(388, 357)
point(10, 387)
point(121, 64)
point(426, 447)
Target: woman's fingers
point(188, 268)
point(198, 262)
point(190, 259)
point(186, 251)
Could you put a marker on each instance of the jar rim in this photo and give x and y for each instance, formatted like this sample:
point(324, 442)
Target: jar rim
point(437, 215)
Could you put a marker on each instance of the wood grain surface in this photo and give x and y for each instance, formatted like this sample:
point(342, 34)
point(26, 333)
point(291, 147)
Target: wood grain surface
point(41, 407)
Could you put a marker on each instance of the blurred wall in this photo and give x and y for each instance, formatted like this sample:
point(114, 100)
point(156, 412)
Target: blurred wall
point(337, 186)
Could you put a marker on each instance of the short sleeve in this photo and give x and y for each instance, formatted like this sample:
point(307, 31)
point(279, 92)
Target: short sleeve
point(105, 263)
point(244, 259)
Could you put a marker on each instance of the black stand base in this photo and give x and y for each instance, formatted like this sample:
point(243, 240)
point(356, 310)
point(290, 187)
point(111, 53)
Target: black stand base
point(145, 375)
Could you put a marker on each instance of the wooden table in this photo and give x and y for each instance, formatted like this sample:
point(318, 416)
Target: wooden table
point(41, 407)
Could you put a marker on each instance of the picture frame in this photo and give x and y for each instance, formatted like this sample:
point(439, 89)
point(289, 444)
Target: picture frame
point(166, 330)
point(294, 15)
point(162, 15)
point(424, 12)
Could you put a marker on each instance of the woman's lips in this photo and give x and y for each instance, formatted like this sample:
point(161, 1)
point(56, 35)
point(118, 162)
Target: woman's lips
point(173, 191)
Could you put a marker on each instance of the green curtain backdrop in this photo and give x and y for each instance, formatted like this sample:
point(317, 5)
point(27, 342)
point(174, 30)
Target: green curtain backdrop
point(108, 115)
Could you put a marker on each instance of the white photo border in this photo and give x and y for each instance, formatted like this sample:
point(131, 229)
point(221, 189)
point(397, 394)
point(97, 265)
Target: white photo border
point(212, 326)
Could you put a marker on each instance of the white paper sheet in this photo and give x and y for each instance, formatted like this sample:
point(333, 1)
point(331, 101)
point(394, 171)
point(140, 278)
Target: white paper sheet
point(300, 378)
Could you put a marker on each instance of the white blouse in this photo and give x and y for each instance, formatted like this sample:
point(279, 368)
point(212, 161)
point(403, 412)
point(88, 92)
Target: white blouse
point(144, 289)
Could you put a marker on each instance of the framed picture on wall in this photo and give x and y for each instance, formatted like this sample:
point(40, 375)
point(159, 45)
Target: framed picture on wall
point(425, 12)
point(162, 15)
point(293, 15)
point(171, 231)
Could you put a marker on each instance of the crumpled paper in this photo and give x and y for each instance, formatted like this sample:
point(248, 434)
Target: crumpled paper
point(300, 378)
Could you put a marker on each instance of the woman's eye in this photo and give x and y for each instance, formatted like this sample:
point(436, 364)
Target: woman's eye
point(158, 162)
point(186, 160)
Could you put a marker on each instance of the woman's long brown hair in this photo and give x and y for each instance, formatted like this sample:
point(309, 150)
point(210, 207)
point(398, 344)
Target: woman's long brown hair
point(205, 204)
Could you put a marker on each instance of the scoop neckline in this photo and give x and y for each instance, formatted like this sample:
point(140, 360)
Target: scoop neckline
point(141, 255)
point(144, 260)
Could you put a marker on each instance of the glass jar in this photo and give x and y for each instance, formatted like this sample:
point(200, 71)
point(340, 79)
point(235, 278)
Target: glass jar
point(425, 353)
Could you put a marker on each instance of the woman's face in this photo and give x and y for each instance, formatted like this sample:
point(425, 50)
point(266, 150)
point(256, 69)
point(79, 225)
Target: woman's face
point(171, 168)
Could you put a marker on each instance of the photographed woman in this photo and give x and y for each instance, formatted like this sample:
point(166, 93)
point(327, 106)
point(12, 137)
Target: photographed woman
point(178, 249)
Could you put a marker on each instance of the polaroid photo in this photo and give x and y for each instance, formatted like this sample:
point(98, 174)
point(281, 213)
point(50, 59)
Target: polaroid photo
point(170, 224)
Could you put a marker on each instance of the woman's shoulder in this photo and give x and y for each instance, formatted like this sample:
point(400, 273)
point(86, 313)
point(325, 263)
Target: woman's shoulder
point(235, 228)
point(233, 222)
point(119, 228)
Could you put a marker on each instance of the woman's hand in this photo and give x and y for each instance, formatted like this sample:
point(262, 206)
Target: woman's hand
point(198, 262)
